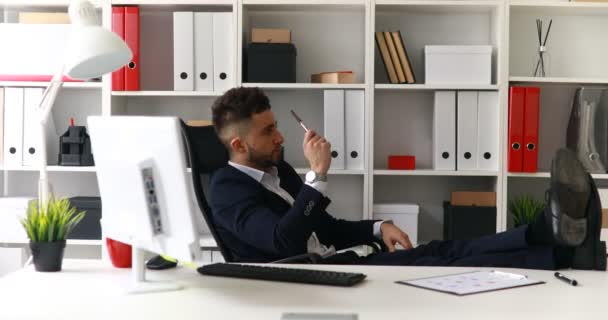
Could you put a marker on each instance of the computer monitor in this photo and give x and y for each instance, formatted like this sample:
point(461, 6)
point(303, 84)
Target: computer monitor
point(145, 189)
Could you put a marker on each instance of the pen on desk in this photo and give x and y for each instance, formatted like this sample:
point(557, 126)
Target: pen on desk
point(566, 279)
point(299, 120)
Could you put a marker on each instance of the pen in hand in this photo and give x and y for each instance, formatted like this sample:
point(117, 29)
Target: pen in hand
point(566, 279)
point(299, 120)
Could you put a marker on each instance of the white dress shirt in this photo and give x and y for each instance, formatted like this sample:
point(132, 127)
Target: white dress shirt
point(272, 182)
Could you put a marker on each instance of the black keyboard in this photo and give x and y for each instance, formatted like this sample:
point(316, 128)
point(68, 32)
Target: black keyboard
point(332, 278)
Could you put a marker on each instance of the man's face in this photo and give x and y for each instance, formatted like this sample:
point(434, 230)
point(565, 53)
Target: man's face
point(263, 142)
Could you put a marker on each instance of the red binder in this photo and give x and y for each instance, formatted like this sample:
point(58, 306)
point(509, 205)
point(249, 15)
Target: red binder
point(531, 115)
point(118, 27)
point(132, 40)
point(516, 128)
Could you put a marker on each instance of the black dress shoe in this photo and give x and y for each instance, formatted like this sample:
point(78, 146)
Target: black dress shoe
point(567, 199)
point(591, 255)
point(160, 263)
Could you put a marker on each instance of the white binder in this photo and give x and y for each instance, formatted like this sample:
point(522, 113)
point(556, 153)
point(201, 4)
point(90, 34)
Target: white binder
point(223, 51)
point(1, 126)
point(31, 126)
point(183, 51)
point(203, 51)
point(31, 131)
point(333, 120)
point(467, 131)
point(354, 124)
point(444, 130)
point(487, 130)
point(13, 127)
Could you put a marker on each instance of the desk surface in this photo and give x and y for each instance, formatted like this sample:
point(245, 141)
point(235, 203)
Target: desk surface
point(91, 290)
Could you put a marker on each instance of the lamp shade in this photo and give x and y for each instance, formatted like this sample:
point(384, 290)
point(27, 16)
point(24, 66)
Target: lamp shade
point(92, 51)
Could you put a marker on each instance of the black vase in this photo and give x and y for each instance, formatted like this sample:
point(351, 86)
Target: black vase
point(48, 256)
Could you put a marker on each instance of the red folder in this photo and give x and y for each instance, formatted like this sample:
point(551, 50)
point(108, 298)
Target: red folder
point(531, 115)
point(132, 40)
point(516, 128)
point(118, 27)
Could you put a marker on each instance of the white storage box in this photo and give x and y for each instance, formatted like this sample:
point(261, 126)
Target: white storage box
point(458, 64)
point(12, 210)
point(32, 52)
point(404, 216)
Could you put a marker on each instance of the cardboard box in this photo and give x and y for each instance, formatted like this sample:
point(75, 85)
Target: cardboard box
point(199, 123)
point(270, 35)
point(44, 17)
point(333, 77)
point(604, 218)
point(469, 198)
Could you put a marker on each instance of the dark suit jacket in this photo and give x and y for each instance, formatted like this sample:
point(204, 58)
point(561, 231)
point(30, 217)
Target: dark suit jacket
point(257, 225)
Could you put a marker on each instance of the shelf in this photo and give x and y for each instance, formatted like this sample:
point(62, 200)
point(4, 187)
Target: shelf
point(207, 241)
point(435, 87)
point(559, 80)
point(52, 169)
point(43, 84)
point(559, 8)
point(333, 171)
point(425, 6)
point(47, 3)
point(70, 242)
point(173, 2)
point(423, 172)
point(310, 86)
point(597, 176)
point(167, 93)
point(301, 5)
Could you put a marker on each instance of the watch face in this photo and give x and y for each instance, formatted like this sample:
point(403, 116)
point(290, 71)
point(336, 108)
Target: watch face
point(310, 176)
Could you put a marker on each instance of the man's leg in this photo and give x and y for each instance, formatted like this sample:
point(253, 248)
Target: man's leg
point(505, 249)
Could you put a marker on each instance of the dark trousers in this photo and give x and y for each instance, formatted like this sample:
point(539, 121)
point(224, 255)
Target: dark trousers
point(507, 249)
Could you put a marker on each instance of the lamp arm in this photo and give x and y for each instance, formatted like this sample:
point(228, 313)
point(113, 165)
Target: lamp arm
point(44, 110)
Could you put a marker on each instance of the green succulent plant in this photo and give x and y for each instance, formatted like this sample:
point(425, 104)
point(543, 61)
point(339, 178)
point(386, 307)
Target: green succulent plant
point(52, 222)
point(524, 209)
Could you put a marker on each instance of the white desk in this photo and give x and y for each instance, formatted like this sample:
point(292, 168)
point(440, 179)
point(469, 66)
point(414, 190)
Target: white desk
point(88, 290)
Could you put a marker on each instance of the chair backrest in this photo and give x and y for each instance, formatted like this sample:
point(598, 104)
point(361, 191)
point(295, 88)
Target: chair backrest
point(206, 153)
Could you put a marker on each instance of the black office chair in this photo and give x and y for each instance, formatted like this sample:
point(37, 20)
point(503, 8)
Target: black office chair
point(205, 154)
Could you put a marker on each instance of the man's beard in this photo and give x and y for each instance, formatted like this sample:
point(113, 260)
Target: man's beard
point(260, 159)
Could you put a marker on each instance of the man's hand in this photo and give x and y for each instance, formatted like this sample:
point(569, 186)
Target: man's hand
point(392, 235)
point(317, 152)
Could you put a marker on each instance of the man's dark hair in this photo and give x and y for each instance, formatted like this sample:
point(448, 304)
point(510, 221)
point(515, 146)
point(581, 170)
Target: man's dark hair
point(235, 108)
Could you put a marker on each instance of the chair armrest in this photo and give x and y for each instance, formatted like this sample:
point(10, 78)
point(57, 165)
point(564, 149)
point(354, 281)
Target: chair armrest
point(302, 258)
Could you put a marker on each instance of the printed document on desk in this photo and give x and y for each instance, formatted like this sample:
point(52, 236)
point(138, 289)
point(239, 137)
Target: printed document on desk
point(462, 284)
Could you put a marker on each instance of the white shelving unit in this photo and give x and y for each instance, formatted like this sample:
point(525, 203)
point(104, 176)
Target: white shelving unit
point(339, 35)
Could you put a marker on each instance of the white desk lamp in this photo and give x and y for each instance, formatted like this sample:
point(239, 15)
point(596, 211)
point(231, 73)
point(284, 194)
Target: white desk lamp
point(92, 51)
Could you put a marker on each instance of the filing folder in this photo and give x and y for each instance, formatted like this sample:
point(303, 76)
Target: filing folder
point(1, 126)
point(223, 51)
point(118, 27)
point(132, 39)
point(354, 124)
point(531, 115)
point(487, 126)
point(31, 126)
point(466, 137)
point(183, 51)
point(203, 51)
point(516, 128)
point(444, 130)
point(333, 119)
point(13, 126)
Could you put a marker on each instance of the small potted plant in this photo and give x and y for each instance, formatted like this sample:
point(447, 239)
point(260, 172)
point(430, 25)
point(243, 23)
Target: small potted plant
point(48, 227)
point(525, 209)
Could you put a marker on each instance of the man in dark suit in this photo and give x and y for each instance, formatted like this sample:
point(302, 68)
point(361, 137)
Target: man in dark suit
point(264, 212)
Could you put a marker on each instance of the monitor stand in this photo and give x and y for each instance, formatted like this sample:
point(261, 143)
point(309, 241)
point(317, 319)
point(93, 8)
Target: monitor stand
point(139, 284)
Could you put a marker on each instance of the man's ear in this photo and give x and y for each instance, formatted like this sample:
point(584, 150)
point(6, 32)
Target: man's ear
point(237, 145)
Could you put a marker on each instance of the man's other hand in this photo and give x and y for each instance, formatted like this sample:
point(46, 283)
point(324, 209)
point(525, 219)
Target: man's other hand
point(392, 235)
point(317, 152)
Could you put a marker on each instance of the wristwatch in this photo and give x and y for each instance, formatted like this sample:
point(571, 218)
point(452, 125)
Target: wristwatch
point(312, 177)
